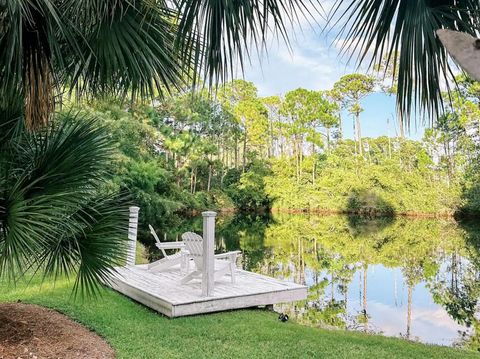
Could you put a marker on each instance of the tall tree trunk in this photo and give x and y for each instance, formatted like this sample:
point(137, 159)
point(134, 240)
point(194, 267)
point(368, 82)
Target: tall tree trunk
point(300, 158)
point(345, 296)
point(359, 133)
point(236, 152)
point(222, 154)
point(297, 158)
point(355, 137)
point(195, 181)
point(191, 180)
point(454, 269)
point(400, 127)
point(283, 140)
point(209, 177)
point(244, 160)
point(38, 83)
point(328, 139)
point(365, 273)
point(314, 166)
point(332, 288)
point(340, 126)
point(271, 150)
point(409, 310)
point(447, 153)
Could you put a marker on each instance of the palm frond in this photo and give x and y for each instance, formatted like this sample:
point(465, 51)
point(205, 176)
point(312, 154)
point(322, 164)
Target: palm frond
point(53, 214)
point(377, 29)
point(217, 35)
point(125, 47)
point(112, 47)
point(128, 47)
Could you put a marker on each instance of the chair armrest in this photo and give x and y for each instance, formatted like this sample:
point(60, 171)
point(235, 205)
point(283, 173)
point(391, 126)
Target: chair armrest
point(170, 245)
point(231, 255)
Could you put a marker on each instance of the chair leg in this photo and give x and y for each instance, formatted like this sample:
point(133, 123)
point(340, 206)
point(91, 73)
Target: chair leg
point(233, 268)
point(189, 277)
point(182, 263)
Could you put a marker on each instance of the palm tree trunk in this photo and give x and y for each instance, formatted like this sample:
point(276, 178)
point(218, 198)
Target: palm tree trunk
point(38, 83)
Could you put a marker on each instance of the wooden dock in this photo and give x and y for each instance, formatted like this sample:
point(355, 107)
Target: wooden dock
point(163, 292)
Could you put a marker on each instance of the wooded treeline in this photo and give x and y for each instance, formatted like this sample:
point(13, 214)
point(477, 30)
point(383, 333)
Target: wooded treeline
point(237, 150)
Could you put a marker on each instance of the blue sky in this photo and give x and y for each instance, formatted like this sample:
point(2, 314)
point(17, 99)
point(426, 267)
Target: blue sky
point(314, 62)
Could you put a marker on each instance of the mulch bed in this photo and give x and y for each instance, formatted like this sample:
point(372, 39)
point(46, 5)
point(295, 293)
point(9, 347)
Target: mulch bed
point(33, 332)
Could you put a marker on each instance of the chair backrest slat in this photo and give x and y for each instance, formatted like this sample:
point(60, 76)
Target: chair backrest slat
point(194, 244)
point(154, 234)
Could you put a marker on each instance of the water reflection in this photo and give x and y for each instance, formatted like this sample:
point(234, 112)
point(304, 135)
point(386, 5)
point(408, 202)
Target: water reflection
point(418, 279)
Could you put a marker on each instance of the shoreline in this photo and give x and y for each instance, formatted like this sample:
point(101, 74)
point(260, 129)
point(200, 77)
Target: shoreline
point(458, 215)
point(363, 213)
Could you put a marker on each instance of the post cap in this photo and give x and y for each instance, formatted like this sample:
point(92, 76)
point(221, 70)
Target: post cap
point(134, 209)
point(209, 214)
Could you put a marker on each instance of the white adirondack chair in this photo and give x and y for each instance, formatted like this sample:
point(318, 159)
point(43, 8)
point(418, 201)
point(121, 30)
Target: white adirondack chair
point(179, 257)
point(194, 245)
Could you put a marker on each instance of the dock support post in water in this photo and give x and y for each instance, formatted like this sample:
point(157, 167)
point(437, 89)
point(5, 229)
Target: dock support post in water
point(132, 235)
point(208, 269)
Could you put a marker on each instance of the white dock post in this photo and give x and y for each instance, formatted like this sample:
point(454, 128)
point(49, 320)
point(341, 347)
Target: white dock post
point(132, 235)
point(208, 253)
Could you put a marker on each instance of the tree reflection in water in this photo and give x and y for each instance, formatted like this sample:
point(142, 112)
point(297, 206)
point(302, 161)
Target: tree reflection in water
point(368, 274)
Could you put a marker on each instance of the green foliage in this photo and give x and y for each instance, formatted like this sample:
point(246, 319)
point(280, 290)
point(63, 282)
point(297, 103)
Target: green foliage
point(193, 152)
point(354, 87)
point(249, 192)
point(54, 212)
point(138, 48)
point(393, 178)
point(144, 169)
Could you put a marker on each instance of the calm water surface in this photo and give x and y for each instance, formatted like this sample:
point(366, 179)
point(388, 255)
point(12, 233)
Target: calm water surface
point(411, 278)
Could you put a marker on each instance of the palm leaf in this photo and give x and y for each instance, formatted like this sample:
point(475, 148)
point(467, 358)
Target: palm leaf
point(216, 35)
point(128, 47)
point(377, 29)
point(53, 214)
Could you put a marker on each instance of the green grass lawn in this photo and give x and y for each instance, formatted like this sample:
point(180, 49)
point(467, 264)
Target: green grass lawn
point(137, 332)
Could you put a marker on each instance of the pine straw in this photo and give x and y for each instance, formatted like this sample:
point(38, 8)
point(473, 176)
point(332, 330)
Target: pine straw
point(31, 331)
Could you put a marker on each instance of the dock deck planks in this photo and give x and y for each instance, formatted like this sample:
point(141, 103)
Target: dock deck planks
point(163, 292)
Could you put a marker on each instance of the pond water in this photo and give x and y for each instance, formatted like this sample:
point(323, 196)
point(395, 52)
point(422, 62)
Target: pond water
point(411, 278)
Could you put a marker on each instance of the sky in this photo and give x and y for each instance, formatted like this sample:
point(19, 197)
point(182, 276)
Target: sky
point(315, 62)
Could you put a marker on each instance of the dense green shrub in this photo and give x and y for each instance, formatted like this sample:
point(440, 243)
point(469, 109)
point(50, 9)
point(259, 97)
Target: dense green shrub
point(249, 192)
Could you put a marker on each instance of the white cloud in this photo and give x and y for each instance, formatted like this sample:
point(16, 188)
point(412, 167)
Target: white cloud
point(427, 322)
point(310, 63)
